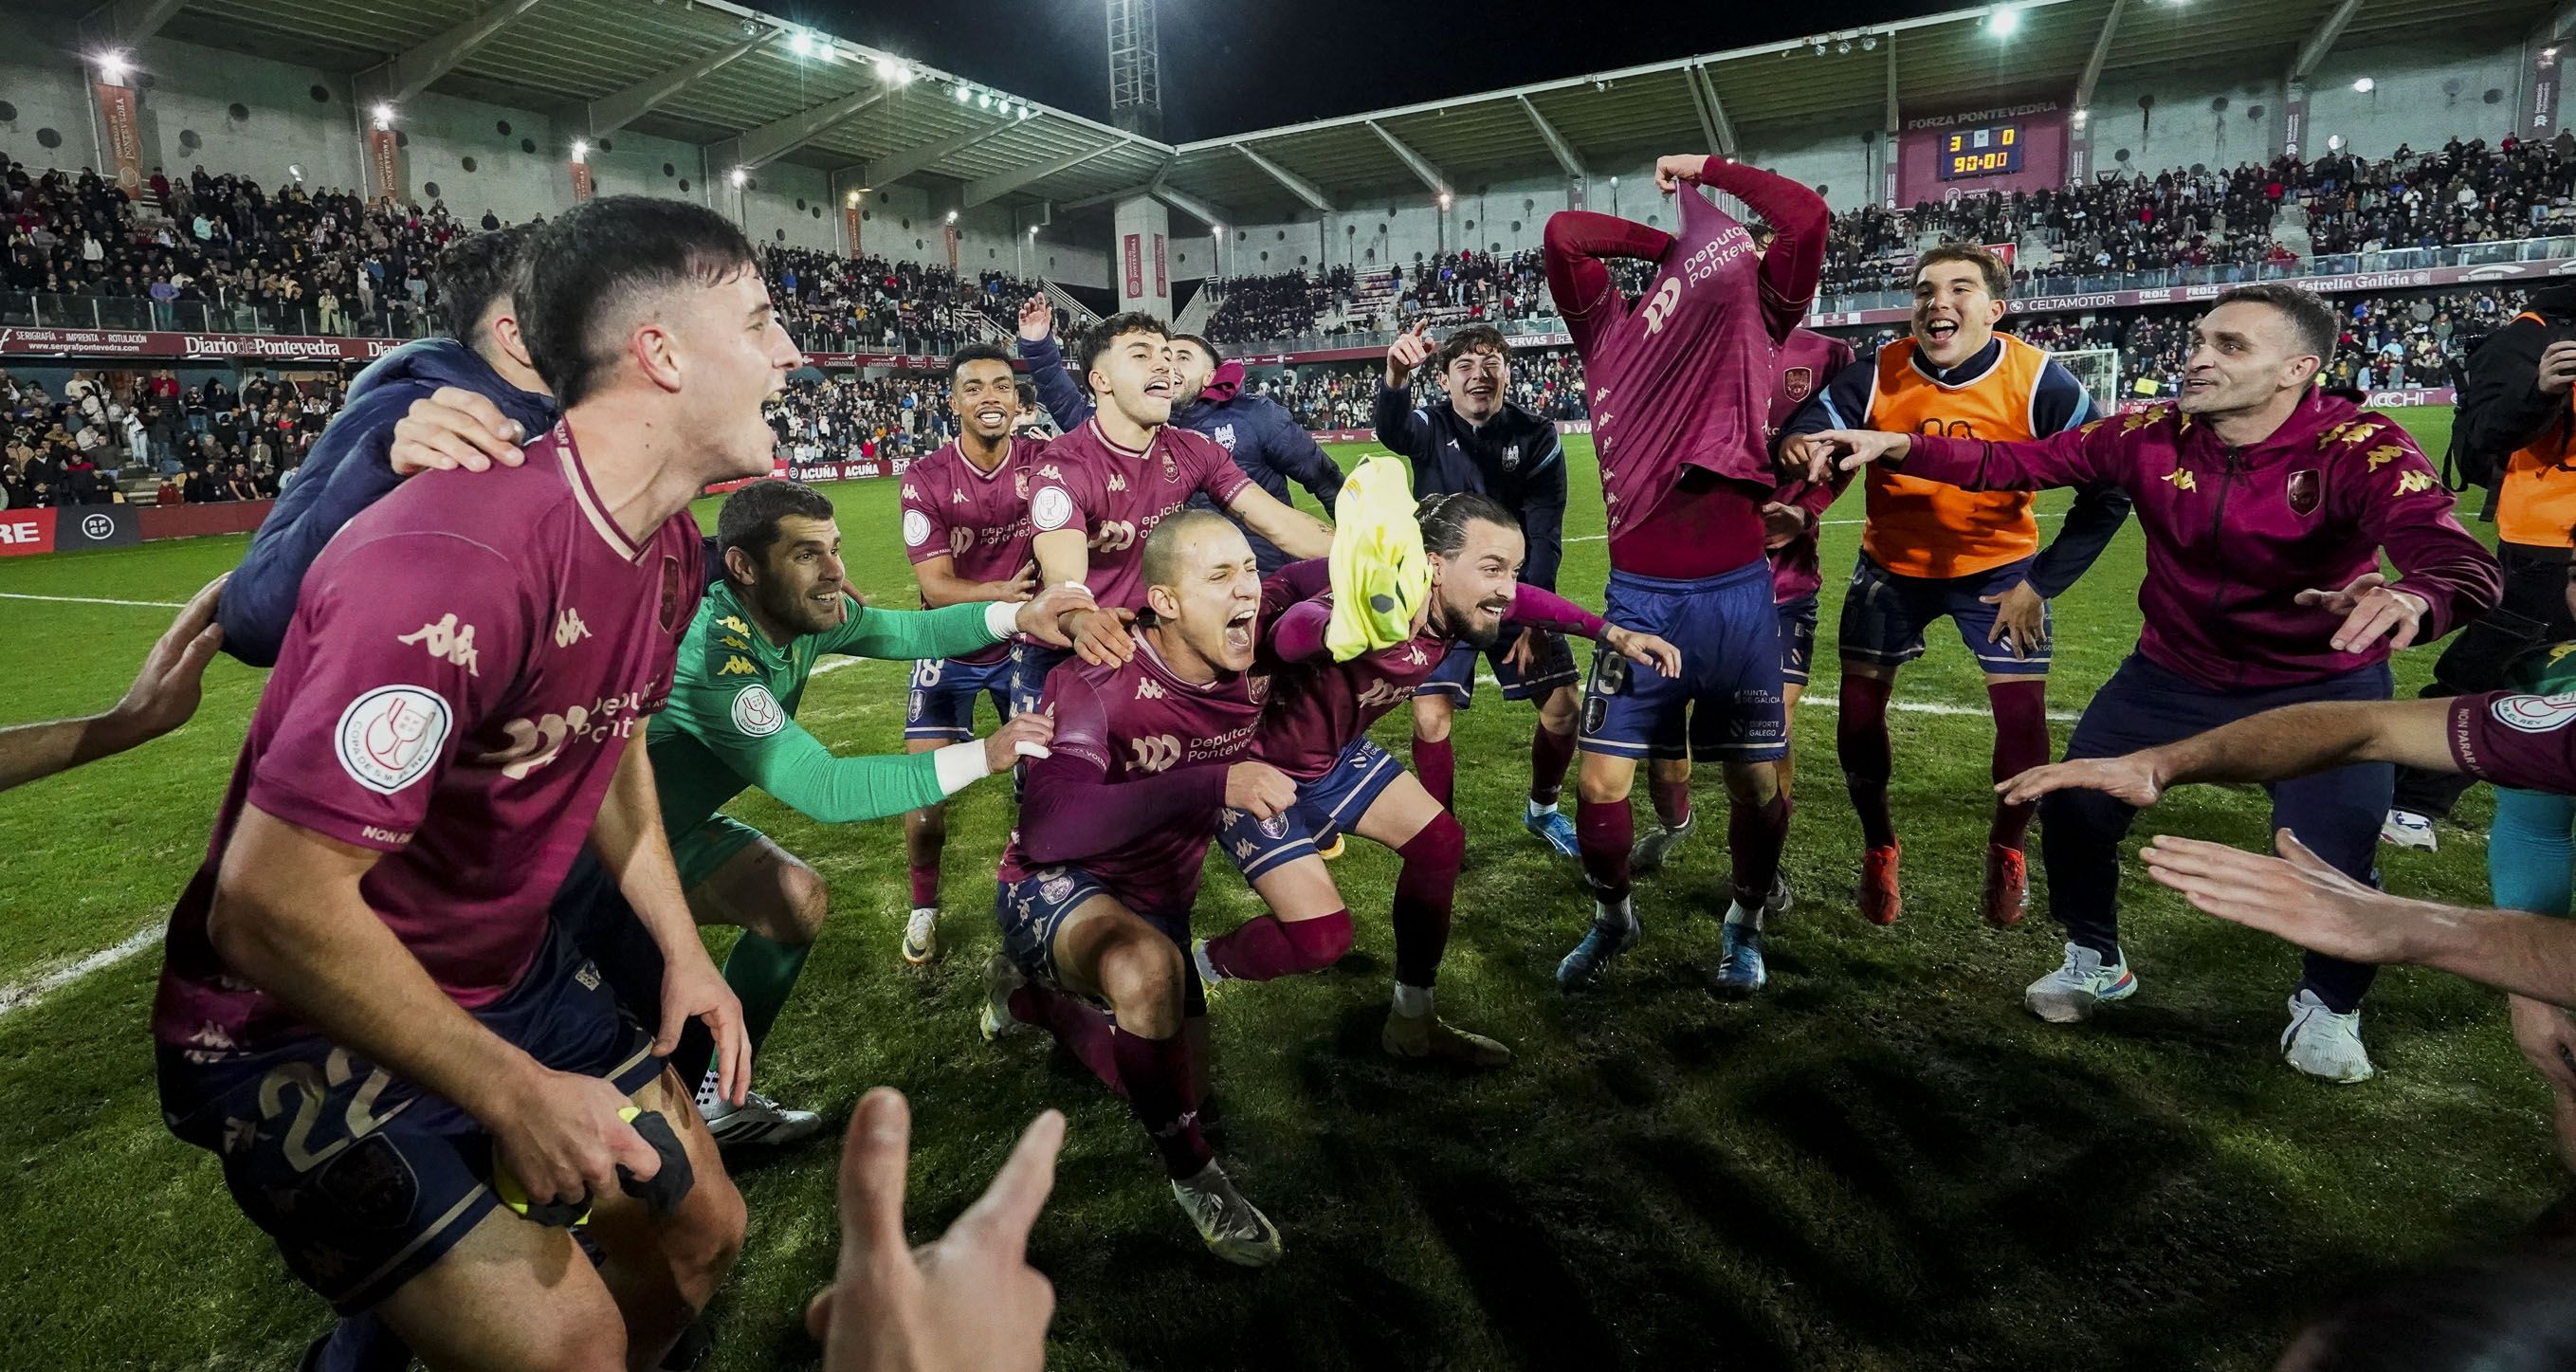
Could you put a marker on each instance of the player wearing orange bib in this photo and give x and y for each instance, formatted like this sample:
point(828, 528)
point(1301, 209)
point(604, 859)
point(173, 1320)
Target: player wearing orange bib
point(1931, 550)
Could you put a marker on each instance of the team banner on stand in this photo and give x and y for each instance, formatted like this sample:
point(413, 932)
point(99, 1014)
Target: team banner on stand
point(580, 182)
point(124, 135)
point(384, 166)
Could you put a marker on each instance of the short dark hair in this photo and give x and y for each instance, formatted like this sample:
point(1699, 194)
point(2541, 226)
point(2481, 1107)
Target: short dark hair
point(473, 272)
point(1445, 518)
point(1115, 327)
point(1998, 276)
point(1474, 338)
point(749, 519)
point(588, 266)
point(1215, 353)
point(975, 352)
point(1028, 391)
point(2310, 318)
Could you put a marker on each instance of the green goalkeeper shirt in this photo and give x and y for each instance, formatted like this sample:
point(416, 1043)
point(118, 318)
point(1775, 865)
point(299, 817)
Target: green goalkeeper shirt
point(731, 721)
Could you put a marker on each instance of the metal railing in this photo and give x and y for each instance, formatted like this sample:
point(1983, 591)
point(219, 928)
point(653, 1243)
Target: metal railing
point(396, 319)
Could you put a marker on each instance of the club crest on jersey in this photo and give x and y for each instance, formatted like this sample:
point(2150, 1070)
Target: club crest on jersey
point(1020, 483)
point(1275, 828)
point(2305, 490)
point(1224, 436)
point(1512, 458)
point(1171, 469)
point(2535, 714)
point(1259, 684)
point(1798, 383)
point(671, 617)
point(389, 737)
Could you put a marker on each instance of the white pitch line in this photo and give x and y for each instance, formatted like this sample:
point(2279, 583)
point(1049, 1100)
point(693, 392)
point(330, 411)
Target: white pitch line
point(93, 600)
point(26, 994)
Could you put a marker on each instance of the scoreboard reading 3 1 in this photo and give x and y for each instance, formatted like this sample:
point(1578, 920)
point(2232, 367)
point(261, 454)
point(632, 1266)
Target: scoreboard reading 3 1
point(1993, 150)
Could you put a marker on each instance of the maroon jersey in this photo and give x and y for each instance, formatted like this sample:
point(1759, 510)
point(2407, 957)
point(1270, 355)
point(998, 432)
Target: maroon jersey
point(1117, 495)
point(2516, 739)
point(978, 519)
point(1136, 725)
point(469, 658)
point(1806, 362)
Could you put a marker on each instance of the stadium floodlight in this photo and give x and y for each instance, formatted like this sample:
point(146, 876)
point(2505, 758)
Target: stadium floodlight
point(2334, 143)
point(580, 149)
point(1842, 45)
point(964, 94)
point(2365, 85)
point(1024, 111)
point(383, 114)
point(2080, 116)
point(2003, 21)
point(1033, 231)
point(952, 216)
point(1216, 230)
point(1444, 200)
point(1869, 42)
point(2550, 53)
point(893, 72)
point(985, 101)
point(740, 176)
point(853, 200)
point(112, 67)
point(803, 43)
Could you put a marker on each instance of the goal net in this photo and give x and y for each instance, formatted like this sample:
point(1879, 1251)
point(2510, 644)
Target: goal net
point(2099, 370)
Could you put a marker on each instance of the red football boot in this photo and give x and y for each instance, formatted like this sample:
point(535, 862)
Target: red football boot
point(2007, 885)
point(1879, 901)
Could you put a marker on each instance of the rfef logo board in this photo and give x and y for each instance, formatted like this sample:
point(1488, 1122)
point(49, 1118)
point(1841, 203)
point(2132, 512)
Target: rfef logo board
point(96, 526)
point(26, 531)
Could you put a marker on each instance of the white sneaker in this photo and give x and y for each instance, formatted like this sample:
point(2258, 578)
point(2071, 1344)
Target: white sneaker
point(2407, 829)
point(2080, 983)
point(921, 935)
point(2324, 1044)
point(758, 1119)
point(1656, 845)
point(1231, 1227)
point(1000, 980)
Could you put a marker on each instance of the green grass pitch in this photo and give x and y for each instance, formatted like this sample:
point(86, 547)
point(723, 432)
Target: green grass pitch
point(1883, 1163)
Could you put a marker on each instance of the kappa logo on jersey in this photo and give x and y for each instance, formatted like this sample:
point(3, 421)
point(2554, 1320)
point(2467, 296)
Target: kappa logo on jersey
point(389, 737)
point(756, 712)
point(1149, 689)
point(1116, 535)
point(569, 629)
point(1659, 311)
point(1154, 754)
point(734, 643)
point(1414, 656)
point(448, 642)
point(956, 497)
point(734, 622)
point(2182, 479)
point(1050, 473)
point(1117, 481)
point(2408, 483)
point(2535, 714)
point(2382, 455)
point(916, 528)
point(1052, 508)
point(909, 493)
point(1224, 436)
point(736, 665)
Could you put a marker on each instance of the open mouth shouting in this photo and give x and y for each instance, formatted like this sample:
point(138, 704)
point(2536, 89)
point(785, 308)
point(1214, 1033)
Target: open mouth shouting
point(1940, 331)
point(1238, 632)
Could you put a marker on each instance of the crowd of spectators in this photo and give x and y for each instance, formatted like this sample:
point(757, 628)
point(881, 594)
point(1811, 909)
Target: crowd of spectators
point(843, 416)
point(2457, 193)
point(296, 260)
point(206, 442)
point(905, 306)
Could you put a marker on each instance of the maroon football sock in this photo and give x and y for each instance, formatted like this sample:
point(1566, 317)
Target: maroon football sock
point(1266, 946)
point(1437, 765)
point(1425, 895)
point(1157, 1073)
point(2021, 743)
point(1672, 801)
point(1078, 1025)
point(1860, 735)
point(1754, 837)
point(925, 886)
point(1550, 755)
point(1603, 833)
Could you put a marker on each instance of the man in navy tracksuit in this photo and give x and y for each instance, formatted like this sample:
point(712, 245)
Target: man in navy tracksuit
point(1477, 440)
point(1207, 397)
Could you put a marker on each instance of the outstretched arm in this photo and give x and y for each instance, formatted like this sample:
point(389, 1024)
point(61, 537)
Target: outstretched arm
point(2293, 741)
point(1577, 246)
point(161, 699)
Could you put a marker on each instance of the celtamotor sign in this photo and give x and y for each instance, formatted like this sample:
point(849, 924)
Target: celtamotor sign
point(26, 531)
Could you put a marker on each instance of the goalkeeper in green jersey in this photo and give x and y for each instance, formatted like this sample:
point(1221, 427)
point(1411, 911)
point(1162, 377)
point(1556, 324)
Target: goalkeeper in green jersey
point(780, 605)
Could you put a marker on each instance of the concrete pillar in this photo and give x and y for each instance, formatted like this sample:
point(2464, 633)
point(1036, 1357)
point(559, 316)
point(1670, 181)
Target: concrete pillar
point(1140, 256)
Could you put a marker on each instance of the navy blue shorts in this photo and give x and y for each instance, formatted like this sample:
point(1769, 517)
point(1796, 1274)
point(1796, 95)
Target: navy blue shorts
point(1725, 707)
point(1325, 806)
point(1032, 911)
point(362, 1179)
point(1455, 677)
point(1885, 614)
point(1030, 663)
point(1797, 638)
point(944, 689)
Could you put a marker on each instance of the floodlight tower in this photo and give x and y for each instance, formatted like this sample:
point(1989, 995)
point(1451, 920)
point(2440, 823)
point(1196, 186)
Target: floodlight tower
point(1135, 69)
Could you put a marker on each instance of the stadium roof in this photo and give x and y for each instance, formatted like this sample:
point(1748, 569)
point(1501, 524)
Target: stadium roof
point(757, 88)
